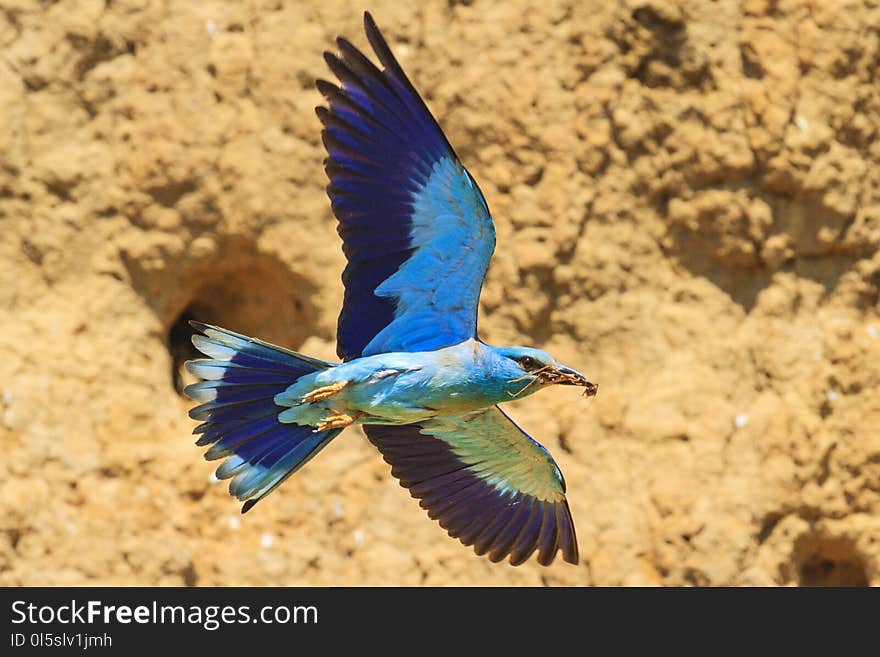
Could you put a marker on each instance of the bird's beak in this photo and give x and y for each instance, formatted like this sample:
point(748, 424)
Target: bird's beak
point(568, 377)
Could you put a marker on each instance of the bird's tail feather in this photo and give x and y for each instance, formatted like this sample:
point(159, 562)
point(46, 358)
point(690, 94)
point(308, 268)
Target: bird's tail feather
point(239, 415)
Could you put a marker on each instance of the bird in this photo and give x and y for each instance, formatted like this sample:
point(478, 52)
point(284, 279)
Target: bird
point(418, 236)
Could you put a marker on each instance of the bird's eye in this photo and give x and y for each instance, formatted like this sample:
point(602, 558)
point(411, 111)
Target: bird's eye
point(528, 363)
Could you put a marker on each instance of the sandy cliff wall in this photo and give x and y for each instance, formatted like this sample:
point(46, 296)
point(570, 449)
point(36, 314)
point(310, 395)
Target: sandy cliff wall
point(687, 199)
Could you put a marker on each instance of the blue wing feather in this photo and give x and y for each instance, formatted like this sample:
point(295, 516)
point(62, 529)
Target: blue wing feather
point(486, 509)
point(415, 228)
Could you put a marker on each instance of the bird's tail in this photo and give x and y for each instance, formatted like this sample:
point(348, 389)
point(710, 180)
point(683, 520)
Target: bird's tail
point(239, 415)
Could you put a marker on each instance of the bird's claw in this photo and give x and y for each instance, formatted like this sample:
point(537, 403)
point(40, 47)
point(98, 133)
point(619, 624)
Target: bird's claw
point(323, 392)
point(337, 420)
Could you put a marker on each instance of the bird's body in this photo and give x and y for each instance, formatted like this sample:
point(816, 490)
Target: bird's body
point(408, 387)
point(418, 237)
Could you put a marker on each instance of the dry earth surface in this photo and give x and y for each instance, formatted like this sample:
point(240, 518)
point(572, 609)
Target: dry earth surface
point(687, 199)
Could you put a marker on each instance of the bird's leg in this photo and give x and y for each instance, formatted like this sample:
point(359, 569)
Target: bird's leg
point(337, 420)
point(323, 392)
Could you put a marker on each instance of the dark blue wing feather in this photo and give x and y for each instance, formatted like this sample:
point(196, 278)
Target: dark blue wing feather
point(486, 482)
point(415, 228)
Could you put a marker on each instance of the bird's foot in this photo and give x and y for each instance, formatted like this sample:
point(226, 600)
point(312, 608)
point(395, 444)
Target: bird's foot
point(323, 392)
point(337, 420)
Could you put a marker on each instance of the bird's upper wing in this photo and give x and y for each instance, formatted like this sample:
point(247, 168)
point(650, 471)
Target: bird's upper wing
point(415, 227)
point(486, 481)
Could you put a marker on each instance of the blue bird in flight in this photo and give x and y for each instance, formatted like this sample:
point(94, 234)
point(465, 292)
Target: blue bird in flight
point(418, 237)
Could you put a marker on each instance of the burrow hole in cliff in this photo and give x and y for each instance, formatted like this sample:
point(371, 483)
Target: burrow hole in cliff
point(823, 561)
point(257, 295)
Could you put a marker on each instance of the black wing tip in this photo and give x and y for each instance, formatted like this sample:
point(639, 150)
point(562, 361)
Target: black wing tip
point(545, 561)
point(332, 60)
point(345, 45)
point(369, 23)
point(379, 44)
point(520, 549)
point(374, 36)
point(247, 506)
point(321, 85)
point(570, 548)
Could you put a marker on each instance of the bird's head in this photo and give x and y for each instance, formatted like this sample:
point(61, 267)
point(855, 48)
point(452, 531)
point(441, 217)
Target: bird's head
point(533, 366)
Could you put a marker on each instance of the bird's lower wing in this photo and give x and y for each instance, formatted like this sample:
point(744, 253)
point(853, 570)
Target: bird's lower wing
point(487, 483)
